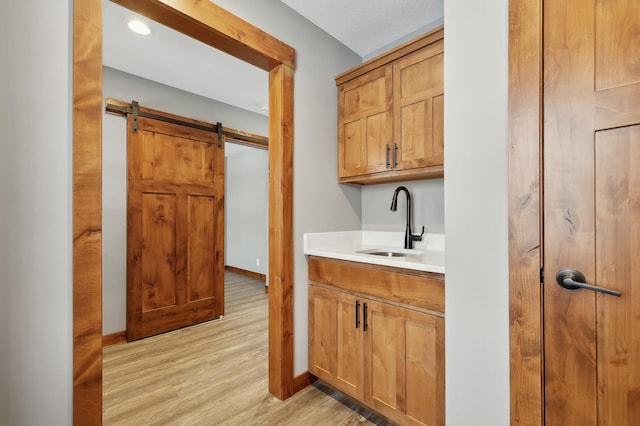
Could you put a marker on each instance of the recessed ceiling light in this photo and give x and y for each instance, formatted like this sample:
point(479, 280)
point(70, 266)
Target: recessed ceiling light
point(139, 27)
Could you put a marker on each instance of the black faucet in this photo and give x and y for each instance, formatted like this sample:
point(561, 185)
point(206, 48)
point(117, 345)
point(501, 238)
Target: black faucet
point(409, 238)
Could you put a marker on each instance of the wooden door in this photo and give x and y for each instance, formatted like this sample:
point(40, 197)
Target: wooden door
point(175, 227)
point(365, 123)
point(404, 365)
point(335, 339)
point(418, 99)
point(592, 211)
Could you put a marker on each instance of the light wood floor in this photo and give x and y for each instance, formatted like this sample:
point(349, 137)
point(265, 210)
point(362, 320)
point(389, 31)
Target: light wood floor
point(214, 373)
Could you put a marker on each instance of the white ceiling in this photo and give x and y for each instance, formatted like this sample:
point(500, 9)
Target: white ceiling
point(173, 59)
point(367, 25)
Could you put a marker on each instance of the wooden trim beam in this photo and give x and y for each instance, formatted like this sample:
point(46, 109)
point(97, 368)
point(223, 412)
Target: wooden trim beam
point(114, 338)
point(525, 207)
point(246, 273)
point(209, 23)
point(281, 232)
point(303, 380)
point(87, 212)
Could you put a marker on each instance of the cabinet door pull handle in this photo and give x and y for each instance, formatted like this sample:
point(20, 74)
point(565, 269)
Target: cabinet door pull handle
point(387, 157)
point(395, 155)
point(357, 313)
point(364, 313)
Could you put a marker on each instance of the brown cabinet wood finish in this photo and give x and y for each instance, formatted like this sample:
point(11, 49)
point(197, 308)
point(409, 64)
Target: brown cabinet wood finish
point(391, 114)
point(376, 343)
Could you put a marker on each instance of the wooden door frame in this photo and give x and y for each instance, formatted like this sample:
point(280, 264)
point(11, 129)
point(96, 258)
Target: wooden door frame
point(525, 212)
point(220, 29)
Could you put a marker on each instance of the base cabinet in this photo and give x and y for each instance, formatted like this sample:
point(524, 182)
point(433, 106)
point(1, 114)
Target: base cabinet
point(404, 366)
point(388, 356)
point(335, 339)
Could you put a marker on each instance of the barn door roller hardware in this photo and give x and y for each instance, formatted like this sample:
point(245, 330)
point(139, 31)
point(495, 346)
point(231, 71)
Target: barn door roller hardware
point(123, 108)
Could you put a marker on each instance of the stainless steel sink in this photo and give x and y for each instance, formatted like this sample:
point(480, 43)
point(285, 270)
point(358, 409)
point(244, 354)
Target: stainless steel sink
point(386, 253)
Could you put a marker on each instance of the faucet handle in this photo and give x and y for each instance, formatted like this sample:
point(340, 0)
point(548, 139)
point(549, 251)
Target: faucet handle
point(418, 237)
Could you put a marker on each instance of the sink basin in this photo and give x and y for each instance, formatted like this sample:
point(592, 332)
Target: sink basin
point(388, 252)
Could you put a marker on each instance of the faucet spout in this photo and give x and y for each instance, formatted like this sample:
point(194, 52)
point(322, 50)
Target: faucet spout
point(409, 238)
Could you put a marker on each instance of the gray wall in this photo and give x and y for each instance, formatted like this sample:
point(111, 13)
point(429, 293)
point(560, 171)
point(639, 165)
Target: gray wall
point(126, 87)
point(35, 213)
point(475, 195)
point(427, 205)
point(247, 208)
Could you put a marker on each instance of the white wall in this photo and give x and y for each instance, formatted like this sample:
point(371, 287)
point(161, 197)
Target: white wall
point(319, 202)
point(126, 87)
point(247, 208)
point(427, 205)
point(475, 189)
point(35, 213)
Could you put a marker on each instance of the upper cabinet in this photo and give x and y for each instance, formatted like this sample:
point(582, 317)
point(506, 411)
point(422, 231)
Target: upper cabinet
point(391, 114)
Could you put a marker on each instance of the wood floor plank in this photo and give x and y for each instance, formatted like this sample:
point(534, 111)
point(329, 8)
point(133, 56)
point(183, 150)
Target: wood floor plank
point(215, 373)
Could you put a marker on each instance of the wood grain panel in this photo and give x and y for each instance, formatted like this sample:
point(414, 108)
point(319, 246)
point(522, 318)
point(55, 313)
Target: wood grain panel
point(617, 43)
point(569, 317)
point(421, 363)
point(617, 244)
point(525, 259)
point(437, 122)
point(323, 344)
point(365, 123)
point(158, 261)
point(172, 158)
point(421, 289)
point(209, 23)
point(418, 79)
point(355, 150)
point(335, 344)
point(415, 120)
point(385, 358)
point(404, 364)
point(349, 345)
point(281, 231)
point(201, 248)
point(366, 96)
point(168, 222)
point(87, 212)
point(617, 107)
point(395, 352)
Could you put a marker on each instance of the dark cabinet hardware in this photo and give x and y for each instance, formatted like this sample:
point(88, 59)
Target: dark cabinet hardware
point(357, 313)
point(572, 279)
point(387, 157)
point(364, 314)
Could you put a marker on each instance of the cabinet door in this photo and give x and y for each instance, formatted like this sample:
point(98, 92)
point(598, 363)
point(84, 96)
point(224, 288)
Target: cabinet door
point(418, 99)
point(335, 340)
point(365, 123)
point(404, 364)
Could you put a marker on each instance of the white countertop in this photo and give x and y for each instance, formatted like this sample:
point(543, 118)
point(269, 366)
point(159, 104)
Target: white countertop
point(427, 255)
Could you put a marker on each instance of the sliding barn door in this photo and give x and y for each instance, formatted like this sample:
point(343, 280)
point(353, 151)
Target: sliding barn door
point(175, 227)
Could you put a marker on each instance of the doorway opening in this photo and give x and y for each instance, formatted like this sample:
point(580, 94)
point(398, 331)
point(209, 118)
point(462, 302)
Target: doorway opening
point(218, 28)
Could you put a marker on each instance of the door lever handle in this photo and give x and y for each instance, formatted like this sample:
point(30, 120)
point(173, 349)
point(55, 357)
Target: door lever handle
point(574, 280)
